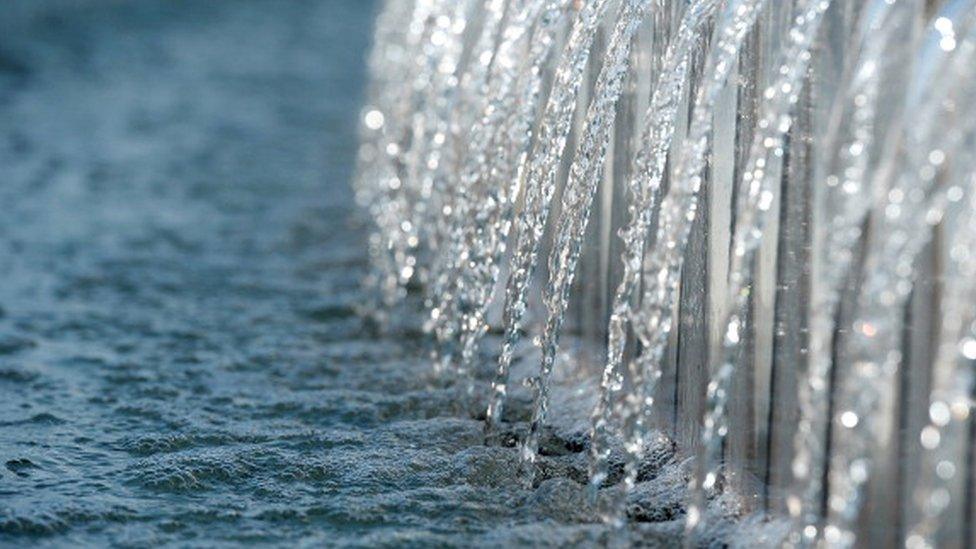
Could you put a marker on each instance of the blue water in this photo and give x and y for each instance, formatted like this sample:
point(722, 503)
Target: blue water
point(180, 362)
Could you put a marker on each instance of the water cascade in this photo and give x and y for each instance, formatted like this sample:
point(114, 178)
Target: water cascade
point(764, 214)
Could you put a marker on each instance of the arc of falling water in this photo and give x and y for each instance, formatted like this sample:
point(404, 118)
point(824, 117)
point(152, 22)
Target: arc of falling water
point(577, 200)
point(388, 62)
point(448, 182)
point(453, 204)
point(451, 95)
point(434, 42)
point(486, 238)
point(915, 199)
point(949, 410)
point(385, 62)
point(487, 183)
point(512, 161)
point(389, 209)
point(678, 206)
point(540, 184)
point(844, 202)
point(755, 198)
point(652, 323)
point(649, 166)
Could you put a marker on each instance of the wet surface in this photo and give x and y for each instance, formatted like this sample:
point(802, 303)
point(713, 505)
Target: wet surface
point(180, 360)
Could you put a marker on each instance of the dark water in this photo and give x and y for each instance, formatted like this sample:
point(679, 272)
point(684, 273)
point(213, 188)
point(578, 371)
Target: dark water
point(180, 362)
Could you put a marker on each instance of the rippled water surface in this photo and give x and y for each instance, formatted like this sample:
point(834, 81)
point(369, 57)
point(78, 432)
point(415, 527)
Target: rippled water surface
point(180, 361)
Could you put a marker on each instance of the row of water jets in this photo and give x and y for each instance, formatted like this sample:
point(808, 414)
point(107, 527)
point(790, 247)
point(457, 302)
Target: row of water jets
point(492, 126)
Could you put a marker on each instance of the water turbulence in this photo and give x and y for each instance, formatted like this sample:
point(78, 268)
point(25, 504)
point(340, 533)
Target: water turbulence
point(760, 226)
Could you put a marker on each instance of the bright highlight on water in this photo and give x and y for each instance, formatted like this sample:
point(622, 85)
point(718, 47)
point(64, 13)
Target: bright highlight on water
point(747, 226)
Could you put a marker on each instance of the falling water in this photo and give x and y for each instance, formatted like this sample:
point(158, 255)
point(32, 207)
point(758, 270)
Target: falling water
point(914, 201)
point(944, 436)
point(798, 189)
point(481, 87)
point(577, 200)
point(846, 201)
point(540, 183)
point(755, 199)
point(645, 190)
point(488, 180)
point(519, 132)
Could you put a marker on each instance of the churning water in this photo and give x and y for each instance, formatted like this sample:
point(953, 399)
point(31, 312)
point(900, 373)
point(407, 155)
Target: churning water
point(740, 229)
